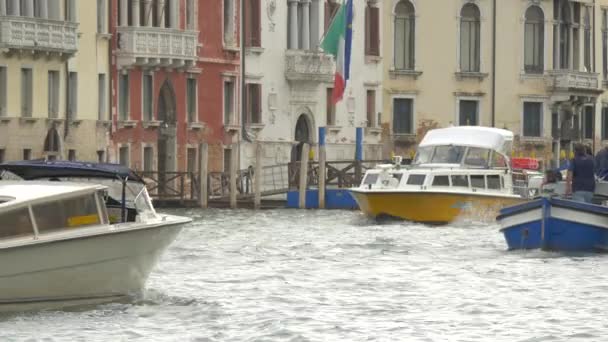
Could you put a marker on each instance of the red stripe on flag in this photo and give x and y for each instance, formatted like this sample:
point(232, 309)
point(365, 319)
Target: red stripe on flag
point(338, 91)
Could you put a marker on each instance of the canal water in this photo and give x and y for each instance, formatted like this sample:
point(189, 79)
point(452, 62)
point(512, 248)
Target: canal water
point(291, 275)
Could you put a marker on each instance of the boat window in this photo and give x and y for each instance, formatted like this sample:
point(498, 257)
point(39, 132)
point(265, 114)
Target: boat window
point(15, 223)
point(416, 179)
point(477, 157)
point(370, 178)
point(493, 182)
point(448, 154)
point(67, 213)
point(477, 181)
point(441, 181)
point(397, 176)
point(460, 181)
point(498, 160)
point(423, 155)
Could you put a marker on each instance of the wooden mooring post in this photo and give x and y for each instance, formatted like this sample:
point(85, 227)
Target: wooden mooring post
point(322, 168)
point(303, 175)
point(234, 152)
point(257, 177)
point(203, 152)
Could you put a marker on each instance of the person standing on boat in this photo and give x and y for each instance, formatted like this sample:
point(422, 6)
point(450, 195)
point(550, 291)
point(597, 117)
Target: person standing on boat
point(580, 181)
point(601, 163)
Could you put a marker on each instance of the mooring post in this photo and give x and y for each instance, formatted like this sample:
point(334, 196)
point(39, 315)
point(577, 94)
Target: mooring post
point(322, 170)
point(203, 152)
point(303, 175)
point(358, 154)
point(257, 177)
point(233, 174)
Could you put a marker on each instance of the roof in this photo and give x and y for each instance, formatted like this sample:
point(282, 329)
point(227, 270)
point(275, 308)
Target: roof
point(15, 192)
point(44, 169)
point(475, 136)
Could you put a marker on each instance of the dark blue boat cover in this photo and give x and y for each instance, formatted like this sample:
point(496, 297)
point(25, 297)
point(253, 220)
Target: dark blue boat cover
point(42, 169)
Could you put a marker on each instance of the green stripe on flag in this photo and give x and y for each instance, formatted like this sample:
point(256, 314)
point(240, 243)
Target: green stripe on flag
point(336, 30)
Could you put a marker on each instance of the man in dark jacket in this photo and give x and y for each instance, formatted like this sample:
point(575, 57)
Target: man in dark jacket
point(580, 181)
point(601, 162)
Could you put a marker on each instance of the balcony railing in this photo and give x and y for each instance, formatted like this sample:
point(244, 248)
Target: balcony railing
point(155, 46)
point(39, 35)
point(302, 65)
point(573, 80)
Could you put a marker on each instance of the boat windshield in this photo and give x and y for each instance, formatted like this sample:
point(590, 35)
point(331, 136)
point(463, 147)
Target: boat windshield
point(423, 155)
point(444, 154)
point(143, 202)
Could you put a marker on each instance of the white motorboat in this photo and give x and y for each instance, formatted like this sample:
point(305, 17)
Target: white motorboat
point(60, 242)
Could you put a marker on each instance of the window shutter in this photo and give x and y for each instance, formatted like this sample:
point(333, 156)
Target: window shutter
point(248, 23)
point(256, 27)
point(375, 31)
point(257, 118)
point(327, 15)
point(368, 30)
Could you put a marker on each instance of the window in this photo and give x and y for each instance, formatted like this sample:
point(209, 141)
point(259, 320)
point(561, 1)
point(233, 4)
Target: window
point(101, 156)
point(191, 99)
point(72, 95)
point(604, 123)
point(101, 16)
point(403, 116)
point(227, 159)
point(588, 119)
point(477, 157)
point(532, 119)
point(72, 155)
point(123, 156)
point(371, 108)
point(70, 10)
point(229, 102)
point(27, 153)
point(587, 39)
point(66, 213)
point(3, 91)
point(372, 30)
point(147, 98)
point(460, 181)
point(330, 107)
point(123, 109)
point(16, 223)
point(148, 159)
point(441, 181)
point(53, 94)
point(253, 25)
point(26, 92)
point(493, 182)
point(477, 181)
point(191, 155)
point(534, 41)
point(101, 97)
point(405, 26)
point(2, 151)
point(370, 178)
point(562, 34)
point(416, 179)
point(605, 42)
point(469, 38)
point(229, 23)
point(190, 15)
point(331, 8)
point(254, 105)
point(468, 114)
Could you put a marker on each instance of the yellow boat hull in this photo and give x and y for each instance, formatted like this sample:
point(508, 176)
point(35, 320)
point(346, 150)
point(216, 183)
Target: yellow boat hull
point(431, 207)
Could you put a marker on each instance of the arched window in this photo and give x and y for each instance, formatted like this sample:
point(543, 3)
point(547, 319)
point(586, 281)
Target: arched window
point(404, 35)
point(469, 38)
point(563, 35)
point(534, 41)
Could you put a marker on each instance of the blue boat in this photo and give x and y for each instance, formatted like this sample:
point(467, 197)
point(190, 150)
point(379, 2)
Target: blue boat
point(555, 224)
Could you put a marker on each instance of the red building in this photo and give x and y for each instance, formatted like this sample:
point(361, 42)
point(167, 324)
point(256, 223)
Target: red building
point(174, 81)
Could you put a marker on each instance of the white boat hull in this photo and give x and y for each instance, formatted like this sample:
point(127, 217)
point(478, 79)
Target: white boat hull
point(92, 267)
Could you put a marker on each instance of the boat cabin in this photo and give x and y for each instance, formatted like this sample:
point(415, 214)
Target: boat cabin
point(31, 209)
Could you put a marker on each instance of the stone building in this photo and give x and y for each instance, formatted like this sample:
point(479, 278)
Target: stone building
point(536, 67)
point(54, 90)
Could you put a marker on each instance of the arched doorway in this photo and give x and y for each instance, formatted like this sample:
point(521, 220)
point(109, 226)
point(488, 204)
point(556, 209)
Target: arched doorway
point(167, 132)
point(51, 144)
point(303, 135)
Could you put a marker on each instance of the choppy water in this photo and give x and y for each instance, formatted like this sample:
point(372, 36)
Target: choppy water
point(290, 275)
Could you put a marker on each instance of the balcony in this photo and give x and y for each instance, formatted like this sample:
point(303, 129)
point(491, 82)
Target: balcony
point(570, 80)
point(38, 35)
point(308, 66)
point(156, 47)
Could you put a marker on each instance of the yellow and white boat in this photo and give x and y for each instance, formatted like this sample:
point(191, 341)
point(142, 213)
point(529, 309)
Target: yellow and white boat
point(458, 172)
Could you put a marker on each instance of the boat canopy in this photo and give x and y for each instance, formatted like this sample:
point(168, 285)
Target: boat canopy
point(47, 169)
point(471, 136)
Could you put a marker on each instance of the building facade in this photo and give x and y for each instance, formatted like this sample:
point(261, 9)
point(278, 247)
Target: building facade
point(289, 81)
point(54, 67)
point(535, 67)
point(166, 83)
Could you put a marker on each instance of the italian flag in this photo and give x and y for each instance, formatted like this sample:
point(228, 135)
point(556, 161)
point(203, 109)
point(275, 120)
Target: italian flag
point(338, 43)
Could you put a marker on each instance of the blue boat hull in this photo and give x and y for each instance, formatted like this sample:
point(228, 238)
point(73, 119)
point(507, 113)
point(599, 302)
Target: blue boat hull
point(557, 225)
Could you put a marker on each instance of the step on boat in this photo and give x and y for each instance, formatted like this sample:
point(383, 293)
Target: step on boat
point(64, 243)
point(457, 172)
point(555, 224)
